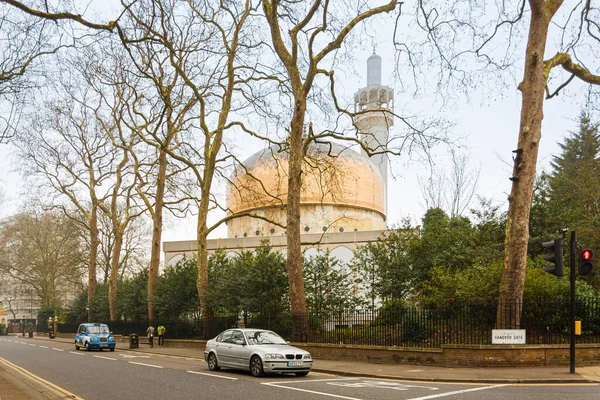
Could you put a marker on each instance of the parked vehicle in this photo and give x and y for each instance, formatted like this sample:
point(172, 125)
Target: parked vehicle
point(94, 336)
point(256, 350)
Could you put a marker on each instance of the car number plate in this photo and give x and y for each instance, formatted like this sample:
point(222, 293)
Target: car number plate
point(294, 363)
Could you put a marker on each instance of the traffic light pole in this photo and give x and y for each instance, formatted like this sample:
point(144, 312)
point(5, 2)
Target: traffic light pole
point(573, 250)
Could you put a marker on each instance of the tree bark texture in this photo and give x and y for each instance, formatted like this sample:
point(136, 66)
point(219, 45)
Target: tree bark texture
point(517, 224)
point(94, 243)
point(294, 248)
point(157, 223)
point(114, 274)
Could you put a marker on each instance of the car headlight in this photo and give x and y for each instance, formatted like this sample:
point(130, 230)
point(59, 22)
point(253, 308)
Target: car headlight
point(93, 339)
point(274, 357)
point(306, 356)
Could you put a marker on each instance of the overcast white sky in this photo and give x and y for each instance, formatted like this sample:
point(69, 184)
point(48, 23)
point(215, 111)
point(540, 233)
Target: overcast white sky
point(489, 128)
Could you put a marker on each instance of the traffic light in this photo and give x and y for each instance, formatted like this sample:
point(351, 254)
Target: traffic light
point(586, 262)
point(556, 257)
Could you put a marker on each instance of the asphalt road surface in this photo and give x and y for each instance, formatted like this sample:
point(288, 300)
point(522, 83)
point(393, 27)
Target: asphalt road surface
point(132, 375)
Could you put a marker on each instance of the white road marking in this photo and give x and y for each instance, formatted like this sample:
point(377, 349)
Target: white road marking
point(43, 347)
point(415, 370)
point(146, 365)
point(57, 349)
point(437, 396)
point(314, 380)
point(128, 356)
point(106, 358)
point(77, 353)
point(31, 344)
point(216, 376)
point(381, 385)
point(276, 384)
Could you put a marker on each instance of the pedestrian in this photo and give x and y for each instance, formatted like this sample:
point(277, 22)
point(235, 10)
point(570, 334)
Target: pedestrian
point(161, 335)
point(150, 332)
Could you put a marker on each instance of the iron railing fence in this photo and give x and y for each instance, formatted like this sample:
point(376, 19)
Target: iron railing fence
point(176, 329)
point(545, 322)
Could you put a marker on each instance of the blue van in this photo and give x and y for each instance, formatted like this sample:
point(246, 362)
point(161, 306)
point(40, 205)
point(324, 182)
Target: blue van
point(94, 336)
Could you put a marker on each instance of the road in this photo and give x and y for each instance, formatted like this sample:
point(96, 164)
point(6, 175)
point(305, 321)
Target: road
point(134, 375)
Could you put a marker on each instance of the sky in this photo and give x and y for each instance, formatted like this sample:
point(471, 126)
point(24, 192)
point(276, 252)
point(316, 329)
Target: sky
point(487, 126)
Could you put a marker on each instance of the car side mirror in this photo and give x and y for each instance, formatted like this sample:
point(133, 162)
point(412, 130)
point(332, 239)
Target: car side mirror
point(287, 341)
point(240, 342)
point(110, 334)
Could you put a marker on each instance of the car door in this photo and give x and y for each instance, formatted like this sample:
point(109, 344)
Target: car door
point(238, 350)
point(222, 346)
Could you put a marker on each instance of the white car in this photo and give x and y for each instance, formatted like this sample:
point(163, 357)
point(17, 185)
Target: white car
point(256, 350)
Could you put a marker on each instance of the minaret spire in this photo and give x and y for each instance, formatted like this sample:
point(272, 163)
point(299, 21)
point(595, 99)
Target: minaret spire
point(374, 106)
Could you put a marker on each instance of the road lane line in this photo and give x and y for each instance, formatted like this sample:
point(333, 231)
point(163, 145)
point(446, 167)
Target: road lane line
point(57, 349)
point(31, 344)
point(146, 365)
point(76, 353)
point(43, 347)
point(216, 376)
point(276, 384)
point(437, 396)
point(106, 358)
point(57, 391)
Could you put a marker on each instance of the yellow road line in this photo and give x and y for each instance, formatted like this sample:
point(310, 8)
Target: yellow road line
point(40, 381)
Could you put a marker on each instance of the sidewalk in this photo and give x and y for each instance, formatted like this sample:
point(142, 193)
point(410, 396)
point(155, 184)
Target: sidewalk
point(410, 372)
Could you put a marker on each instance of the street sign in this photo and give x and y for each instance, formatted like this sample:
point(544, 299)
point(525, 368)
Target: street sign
point(508, 336)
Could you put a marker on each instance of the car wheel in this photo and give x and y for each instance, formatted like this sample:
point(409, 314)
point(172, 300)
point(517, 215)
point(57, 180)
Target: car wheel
point(303, 373)
point(213, 365)
point(86, 346)
point(76, 346)
point(256, 367)
point(112, 349)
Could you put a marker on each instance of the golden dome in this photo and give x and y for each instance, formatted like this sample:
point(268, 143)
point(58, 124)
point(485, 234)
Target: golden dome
point(333, 177)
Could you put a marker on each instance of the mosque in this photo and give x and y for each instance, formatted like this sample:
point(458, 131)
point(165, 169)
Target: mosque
point(344, 193)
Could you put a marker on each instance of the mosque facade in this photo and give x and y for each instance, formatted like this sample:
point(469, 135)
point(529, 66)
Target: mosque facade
point(344, 193)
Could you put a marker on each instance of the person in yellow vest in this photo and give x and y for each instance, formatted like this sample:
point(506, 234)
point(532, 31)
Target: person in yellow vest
point(161, 335)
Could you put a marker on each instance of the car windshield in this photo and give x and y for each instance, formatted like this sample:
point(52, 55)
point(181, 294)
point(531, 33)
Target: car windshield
point(263, 337)
point(98, 329)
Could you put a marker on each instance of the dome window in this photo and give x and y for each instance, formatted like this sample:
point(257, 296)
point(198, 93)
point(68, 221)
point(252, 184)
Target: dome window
point(324, 229)
point(341, 229)
point(245, 234)
point(272, 230)
point(355, 229)
point(257, 232)
point(306, 228)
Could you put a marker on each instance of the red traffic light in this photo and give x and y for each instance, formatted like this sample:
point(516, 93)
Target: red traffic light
point(587, 254)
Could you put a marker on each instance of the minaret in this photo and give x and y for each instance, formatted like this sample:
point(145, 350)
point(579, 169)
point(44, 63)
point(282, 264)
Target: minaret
point(375, 103)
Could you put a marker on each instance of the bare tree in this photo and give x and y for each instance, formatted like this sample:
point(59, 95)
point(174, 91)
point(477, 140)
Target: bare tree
point(211, 75)
point(43, 252)
point(27, 37)
point(303, 36)
point(452, 191)
point(473, 45)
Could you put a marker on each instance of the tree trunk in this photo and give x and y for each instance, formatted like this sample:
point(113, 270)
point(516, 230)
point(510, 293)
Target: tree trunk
point(294, 248)
point(157, 221)
point(202, 281)
point(114, 275)
point(94, 243)
point(517, 224)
